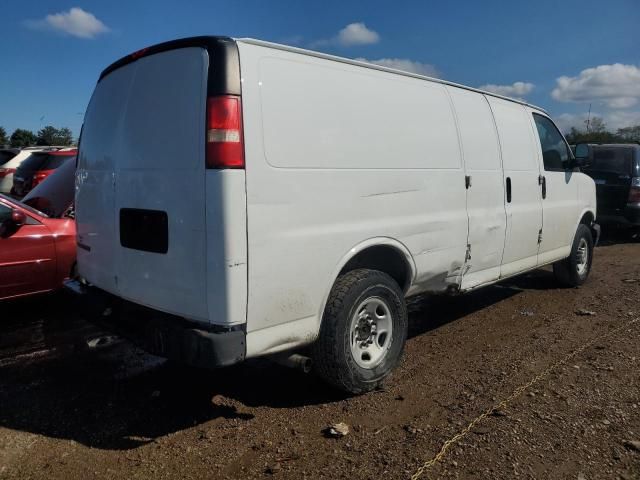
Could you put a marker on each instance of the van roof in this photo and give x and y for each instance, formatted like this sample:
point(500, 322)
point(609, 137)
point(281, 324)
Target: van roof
point(218, 43)
point(374, 66)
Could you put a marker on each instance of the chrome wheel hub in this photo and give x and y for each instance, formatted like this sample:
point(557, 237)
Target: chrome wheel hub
point(370, 332)
point(582, 257)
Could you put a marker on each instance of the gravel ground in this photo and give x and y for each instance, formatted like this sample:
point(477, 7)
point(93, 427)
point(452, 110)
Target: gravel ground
point(67, 411)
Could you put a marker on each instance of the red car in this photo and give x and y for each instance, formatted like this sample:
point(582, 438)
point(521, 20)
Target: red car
point(38, 237)
point(38, 166)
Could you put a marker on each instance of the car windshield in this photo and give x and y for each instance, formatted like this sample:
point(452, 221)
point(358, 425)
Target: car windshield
point(6, 155)
point(611, 159)
point(55, 194)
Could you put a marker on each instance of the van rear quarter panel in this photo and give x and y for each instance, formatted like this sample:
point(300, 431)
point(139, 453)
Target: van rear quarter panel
point(336, 155)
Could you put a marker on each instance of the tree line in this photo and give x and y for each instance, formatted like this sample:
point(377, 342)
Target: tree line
point(596, 131)
point(48, 135)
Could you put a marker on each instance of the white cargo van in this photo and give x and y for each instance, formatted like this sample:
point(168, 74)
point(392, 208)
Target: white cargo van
point(237, 198)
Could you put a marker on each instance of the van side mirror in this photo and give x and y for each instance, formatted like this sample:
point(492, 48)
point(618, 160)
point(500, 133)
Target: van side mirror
point(583, 155)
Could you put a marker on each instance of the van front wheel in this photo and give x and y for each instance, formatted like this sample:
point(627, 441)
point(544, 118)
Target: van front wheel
point(574, 270)
point(363, 331)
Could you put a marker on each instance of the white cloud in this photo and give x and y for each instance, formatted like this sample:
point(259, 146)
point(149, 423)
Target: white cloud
point(406, 65)
point(515, 90)
point(76, 22)
point(356, 33)
point(616, 86)
point(613, 120)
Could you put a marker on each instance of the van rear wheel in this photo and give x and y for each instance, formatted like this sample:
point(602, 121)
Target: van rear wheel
point(574, 270)
point(363, 332)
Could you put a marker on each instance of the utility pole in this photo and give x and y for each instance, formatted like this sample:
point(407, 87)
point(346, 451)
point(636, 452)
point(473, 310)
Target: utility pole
point(588, 118)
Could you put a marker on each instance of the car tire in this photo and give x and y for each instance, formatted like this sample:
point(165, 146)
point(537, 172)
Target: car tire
point(574, 270)
point(363, 331)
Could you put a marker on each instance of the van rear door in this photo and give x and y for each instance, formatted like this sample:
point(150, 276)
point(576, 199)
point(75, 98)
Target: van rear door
point(141, 182)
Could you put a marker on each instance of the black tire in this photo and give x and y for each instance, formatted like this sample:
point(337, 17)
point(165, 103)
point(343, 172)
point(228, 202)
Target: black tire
point(566, 271)
point(332, 356)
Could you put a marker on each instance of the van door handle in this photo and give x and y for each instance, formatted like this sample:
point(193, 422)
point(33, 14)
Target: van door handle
point(543, 182)
point(508, 189)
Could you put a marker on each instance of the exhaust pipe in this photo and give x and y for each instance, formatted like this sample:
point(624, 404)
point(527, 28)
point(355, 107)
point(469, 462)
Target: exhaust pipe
point(297, 361)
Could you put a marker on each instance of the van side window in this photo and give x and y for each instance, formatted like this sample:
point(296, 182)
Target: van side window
point(554, 148)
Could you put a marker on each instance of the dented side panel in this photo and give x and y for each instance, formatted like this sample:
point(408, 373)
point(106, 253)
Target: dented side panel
point(485, 195)
point(337, 155)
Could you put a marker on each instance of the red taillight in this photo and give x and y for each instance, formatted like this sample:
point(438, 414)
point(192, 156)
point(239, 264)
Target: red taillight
point(634, 191)
point(140, 53)
point(6, 171)
point(225, 145)
point(39, 177)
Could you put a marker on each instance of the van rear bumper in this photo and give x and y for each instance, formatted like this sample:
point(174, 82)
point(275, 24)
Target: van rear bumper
point(160, 333)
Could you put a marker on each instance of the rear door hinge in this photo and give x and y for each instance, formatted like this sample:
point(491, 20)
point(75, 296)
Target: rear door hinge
point(467, 181)
point(540, 236)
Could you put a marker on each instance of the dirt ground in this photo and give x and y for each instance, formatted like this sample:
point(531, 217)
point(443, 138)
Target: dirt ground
point(68, 411)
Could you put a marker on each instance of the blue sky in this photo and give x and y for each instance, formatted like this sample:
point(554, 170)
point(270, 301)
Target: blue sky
point(564, 55)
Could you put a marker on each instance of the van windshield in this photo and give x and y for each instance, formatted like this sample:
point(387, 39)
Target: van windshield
point(614, 160)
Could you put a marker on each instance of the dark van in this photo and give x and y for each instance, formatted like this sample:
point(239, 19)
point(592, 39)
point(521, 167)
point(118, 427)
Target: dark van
point(616, 171)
